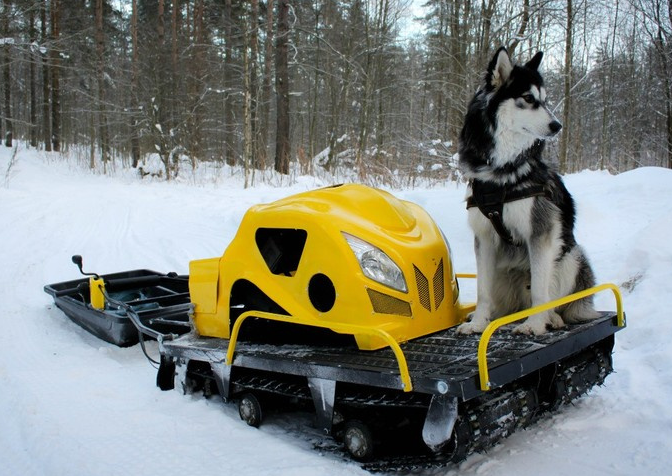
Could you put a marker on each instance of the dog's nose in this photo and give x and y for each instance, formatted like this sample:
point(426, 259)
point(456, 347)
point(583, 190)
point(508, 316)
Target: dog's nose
point(555, 127)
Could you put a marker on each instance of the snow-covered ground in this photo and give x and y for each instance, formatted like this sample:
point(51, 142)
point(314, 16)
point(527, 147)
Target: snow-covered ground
point(71, 404)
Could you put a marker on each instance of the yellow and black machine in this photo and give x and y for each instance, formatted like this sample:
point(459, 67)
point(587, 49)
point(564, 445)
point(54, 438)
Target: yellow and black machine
point(345, 299)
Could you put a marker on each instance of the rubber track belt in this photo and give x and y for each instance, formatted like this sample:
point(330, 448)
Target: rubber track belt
point(490, 198)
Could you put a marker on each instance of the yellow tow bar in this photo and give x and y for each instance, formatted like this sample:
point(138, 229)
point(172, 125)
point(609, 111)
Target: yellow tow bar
point(352, 329)
point(502, 321)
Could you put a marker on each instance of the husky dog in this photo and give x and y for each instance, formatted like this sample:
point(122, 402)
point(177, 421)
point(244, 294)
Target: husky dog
point(519, 209)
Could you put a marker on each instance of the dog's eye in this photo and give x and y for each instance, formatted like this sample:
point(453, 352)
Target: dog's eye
point(528, 98)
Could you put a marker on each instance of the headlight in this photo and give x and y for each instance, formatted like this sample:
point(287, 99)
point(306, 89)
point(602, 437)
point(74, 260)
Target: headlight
point(376, 264)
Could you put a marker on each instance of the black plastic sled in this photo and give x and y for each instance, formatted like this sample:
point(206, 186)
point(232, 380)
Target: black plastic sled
point(160, 301)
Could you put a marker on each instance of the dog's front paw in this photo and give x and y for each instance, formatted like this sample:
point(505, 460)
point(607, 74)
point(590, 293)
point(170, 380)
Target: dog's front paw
point(555, 321)
point(475, 326)
point(535, 325)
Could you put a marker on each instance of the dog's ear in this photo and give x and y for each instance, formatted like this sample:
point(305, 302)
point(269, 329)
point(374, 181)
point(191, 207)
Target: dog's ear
point(499, 69)
point(534, 63)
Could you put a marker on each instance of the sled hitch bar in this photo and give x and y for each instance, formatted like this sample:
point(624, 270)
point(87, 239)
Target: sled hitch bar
point(143, 330)
point(517, 316)
point(135, 319)
point(352, 329)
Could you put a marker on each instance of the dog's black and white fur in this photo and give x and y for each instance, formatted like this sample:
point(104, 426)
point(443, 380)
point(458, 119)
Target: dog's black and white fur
point(530, 257)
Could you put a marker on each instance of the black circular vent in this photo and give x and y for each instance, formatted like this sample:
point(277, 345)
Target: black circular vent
point(321, 292)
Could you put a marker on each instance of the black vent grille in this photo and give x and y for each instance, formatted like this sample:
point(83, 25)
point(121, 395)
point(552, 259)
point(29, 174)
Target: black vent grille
point(439, 292)
point(385, 304)
point(423, 288)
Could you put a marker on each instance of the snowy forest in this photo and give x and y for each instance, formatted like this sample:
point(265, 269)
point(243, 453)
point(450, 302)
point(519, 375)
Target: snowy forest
point(379, 87)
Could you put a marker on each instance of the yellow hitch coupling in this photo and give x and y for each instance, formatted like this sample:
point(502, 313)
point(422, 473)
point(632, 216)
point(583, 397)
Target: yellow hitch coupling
point(97, 288)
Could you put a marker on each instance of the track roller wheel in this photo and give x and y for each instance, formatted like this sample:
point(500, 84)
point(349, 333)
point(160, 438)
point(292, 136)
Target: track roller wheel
point(249, 410)
point(358, 440)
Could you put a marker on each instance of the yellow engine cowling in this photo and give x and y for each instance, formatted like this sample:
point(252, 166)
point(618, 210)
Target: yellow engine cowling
point(300, 252)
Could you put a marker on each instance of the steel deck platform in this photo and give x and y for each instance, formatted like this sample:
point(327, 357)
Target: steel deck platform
point(443, 363)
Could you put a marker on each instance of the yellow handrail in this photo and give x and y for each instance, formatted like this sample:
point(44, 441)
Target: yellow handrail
point(502, 321)
point(337, 327)
point(465, 275)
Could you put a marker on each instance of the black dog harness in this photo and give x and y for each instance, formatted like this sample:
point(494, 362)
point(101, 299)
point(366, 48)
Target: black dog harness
point(490, 198)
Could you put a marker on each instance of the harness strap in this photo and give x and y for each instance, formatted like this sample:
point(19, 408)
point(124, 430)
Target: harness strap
point(490, 198)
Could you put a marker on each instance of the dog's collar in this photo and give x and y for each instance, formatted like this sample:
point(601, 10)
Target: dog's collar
point(490, 198)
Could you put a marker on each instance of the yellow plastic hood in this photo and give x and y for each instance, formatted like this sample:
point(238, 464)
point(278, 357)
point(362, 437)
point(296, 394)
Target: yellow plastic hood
point(342, 255)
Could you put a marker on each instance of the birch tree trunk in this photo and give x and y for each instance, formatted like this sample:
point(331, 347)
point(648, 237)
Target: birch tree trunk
point(567, 106)
point(266, 87)
point(135, 133)
point(248, 149)
point(46, 93)
point(6, 74)
point(54, 54)
point(282, 144)
point(33, 85)
point(228, 102)
point(103, 134)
